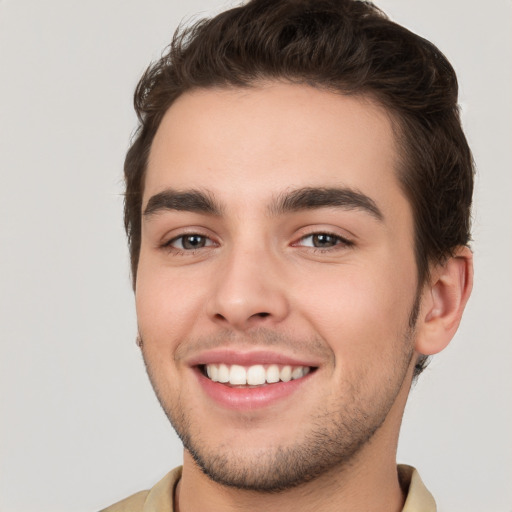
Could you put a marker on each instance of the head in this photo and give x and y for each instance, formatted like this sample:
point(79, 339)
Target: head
point(260, 54)
point(349, 47)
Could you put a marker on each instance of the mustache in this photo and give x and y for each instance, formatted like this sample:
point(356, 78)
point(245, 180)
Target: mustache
point(261, 338)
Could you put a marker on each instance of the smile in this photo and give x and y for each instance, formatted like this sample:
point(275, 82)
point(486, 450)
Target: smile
point(255, 375)
point(247, 381)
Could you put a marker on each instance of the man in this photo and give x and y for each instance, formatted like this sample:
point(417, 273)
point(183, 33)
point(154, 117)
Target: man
point(297, 204)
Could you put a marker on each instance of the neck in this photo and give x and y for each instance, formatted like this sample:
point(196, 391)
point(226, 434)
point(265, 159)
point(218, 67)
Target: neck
point(369, 481)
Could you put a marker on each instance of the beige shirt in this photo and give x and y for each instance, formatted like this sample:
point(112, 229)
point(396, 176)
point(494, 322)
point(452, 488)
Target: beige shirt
point(160, 498)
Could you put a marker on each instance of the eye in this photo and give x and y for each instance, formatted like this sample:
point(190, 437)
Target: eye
point(190, 242)
point(323, 241)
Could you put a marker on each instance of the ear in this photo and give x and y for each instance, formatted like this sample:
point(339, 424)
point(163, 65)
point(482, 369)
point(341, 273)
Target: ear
point(444, 298)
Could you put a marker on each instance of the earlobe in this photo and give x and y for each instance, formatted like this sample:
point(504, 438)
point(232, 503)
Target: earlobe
point(443, 301)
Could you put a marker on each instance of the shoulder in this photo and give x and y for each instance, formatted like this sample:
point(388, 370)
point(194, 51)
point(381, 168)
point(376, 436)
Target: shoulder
point(158, 498)
point(133, 503)
point(418, 498)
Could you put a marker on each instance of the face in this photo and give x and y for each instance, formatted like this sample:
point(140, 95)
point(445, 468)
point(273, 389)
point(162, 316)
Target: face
point(276, 280)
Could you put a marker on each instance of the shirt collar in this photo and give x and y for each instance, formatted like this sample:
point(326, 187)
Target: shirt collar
point(419, 499)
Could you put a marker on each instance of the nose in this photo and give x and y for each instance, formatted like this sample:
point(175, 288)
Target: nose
point(249, 291)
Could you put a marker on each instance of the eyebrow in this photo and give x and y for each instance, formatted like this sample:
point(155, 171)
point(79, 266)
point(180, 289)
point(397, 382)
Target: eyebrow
point(188, 200)
point(310, 198)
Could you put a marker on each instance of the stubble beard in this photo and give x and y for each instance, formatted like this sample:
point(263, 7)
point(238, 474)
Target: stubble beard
point(336, 435)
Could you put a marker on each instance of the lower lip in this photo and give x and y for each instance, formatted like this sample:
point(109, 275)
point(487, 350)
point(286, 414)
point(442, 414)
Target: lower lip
point(246, 398)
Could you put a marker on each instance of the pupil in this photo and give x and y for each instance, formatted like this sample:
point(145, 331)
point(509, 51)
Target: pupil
point(323, 240)
point(193, 242)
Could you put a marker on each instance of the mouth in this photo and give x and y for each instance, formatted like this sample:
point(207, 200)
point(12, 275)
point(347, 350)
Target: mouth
point(258, 375)
point(250, 380)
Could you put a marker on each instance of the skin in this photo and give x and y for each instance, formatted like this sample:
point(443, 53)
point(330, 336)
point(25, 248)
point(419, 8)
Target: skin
point(257, 281)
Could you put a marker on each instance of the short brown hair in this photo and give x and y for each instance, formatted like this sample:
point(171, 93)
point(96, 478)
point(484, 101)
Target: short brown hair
point(346, 46)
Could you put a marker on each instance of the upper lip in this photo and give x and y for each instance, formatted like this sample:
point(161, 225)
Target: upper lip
point(249, 358)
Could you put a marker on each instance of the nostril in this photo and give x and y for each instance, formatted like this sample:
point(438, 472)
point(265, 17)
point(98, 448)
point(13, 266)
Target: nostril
point(262, 315)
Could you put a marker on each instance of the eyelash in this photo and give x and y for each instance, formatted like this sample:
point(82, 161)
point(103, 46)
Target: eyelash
point(176, 250)
point(339, 243)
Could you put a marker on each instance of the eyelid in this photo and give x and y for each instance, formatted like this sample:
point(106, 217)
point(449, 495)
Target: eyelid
point(343, 241)
point(167, 241)
point(208, 241)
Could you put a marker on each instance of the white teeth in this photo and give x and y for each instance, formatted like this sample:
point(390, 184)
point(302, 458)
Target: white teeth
point(297, 373)
point(213, 372)
point(223, 375)
point(273, 373)
point(255, 375)
point(286, 373)
point(237, 375)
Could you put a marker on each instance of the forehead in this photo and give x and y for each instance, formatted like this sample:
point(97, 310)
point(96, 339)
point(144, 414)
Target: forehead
point(244, 144)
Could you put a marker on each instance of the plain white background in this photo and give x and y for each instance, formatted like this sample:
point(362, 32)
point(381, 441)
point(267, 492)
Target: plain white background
point(80, 427)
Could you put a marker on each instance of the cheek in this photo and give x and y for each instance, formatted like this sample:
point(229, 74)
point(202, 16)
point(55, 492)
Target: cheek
point(360, 312)
point(167, 305)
